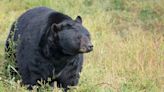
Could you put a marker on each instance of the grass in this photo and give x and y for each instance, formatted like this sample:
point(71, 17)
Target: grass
point(128, 38)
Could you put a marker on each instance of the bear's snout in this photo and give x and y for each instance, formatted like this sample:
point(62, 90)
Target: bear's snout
point(86, 45)
point(89, 47)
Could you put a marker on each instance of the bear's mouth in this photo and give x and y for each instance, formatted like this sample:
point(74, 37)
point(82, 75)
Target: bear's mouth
point(85, 50)
point(82, 50)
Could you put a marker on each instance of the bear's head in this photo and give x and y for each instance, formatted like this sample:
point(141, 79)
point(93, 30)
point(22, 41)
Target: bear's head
point(73, 38)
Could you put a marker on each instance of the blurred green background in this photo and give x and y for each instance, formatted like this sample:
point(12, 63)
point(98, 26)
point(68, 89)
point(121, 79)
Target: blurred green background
point(128, 38)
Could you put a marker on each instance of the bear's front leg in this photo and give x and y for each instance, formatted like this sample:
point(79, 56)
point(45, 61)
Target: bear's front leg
point(68, 77)
point(67, 81)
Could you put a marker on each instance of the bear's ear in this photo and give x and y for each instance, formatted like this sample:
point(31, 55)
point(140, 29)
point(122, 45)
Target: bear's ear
point(55, 27)
point(78, 19)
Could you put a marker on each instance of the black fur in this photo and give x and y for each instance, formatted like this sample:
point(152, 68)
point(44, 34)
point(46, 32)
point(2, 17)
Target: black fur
point(49, 45)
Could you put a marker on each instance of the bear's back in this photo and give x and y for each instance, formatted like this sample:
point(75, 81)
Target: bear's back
point(31, 23)
point(35, 22)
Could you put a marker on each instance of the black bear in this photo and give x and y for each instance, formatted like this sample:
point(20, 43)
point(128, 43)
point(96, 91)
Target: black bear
point(49, 44)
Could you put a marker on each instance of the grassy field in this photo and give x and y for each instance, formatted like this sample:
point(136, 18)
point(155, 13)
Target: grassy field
point(128, 38)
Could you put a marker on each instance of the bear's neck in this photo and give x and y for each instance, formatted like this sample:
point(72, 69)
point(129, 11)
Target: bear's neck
point(60, 60)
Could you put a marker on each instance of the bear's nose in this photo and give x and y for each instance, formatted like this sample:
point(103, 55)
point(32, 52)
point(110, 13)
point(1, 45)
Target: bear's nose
point(90, 47)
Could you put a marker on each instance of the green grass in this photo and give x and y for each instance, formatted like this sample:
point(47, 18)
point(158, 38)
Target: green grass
point(128, 38)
